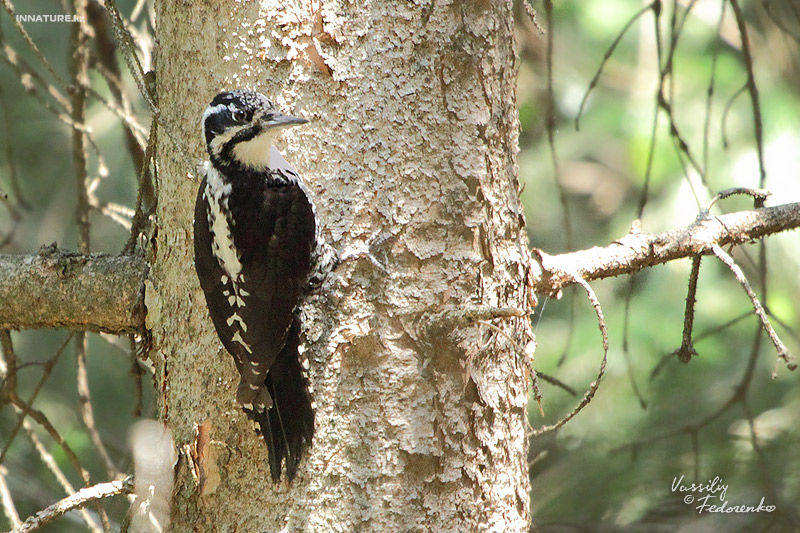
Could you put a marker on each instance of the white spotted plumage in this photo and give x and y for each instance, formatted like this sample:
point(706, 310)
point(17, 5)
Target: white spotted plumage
point(217, 193)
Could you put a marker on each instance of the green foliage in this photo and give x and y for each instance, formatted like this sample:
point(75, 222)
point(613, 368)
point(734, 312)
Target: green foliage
point(584, 476)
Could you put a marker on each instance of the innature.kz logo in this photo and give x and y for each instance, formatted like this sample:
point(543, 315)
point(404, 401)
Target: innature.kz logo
point(49, 18)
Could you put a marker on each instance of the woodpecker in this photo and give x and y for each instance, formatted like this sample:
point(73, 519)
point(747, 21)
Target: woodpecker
point(258, 253)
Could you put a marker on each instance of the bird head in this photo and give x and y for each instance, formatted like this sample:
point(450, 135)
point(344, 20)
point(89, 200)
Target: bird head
point(240, 126)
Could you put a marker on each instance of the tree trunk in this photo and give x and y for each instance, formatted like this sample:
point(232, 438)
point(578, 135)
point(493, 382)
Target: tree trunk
point(421, 406)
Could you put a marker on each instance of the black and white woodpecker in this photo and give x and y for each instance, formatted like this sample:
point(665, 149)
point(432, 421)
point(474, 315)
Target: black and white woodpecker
point(257, 247)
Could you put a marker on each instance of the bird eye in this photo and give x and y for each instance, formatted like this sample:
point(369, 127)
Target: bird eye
point(239, 116)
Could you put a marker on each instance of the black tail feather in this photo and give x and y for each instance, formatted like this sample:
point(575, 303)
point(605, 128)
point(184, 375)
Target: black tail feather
point(288, 426)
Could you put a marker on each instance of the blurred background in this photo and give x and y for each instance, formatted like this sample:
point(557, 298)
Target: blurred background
point(653, 419)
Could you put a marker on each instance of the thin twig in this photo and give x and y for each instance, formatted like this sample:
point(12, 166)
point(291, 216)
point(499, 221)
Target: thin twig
point(759, 195)
point(9, 7)
point(9, 509)
point(9, 367)
point(708, 333)
point(556, 383)
point(606, 57)
point(109, 69)
point(711, 86)
point(129, 53)
point(752, 89)
point(726, 111)
point(783, 351)
point(87, 412)
point(121, 214)
point(11, 393)
point(52, 465)
point(550, 124)
point(39, 417)
point(651, 151)
point(531, 12)
point(722, 327)
point(26, 74)
point(686, 350)
point(587, 397)
point(626, 352)
point(648, 173)
point(739, 394)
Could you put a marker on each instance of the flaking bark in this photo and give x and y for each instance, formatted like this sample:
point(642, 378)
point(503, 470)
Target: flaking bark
point(413, 135)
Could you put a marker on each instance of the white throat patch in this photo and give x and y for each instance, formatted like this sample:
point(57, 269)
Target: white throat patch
point(255, 153)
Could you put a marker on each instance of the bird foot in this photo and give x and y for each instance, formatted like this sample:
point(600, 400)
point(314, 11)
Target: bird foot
point(363, 250)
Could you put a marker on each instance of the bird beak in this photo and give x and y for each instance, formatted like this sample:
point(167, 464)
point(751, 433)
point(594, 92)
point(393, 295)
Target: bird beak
point(281, 121)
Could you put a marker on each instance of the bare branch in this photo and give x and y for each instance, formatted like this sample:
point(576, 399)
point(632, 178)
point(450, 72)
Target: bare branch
point(96, 292)
point(76, 501)
point(639, 250)
point(9, 7)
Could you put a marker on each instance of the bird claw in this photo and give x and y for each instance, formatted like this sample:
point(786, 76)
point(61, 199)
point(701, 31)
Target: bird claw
point(364, 250)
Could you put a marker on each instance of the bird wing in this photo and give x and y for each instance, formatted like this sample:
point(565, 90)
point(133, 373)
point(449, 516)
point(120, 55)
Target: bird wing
point(274, 236)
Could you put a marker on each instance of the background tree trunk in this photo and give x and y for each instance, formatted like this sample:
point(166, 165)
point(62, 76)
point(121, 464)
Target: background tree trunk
point(420, 416)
